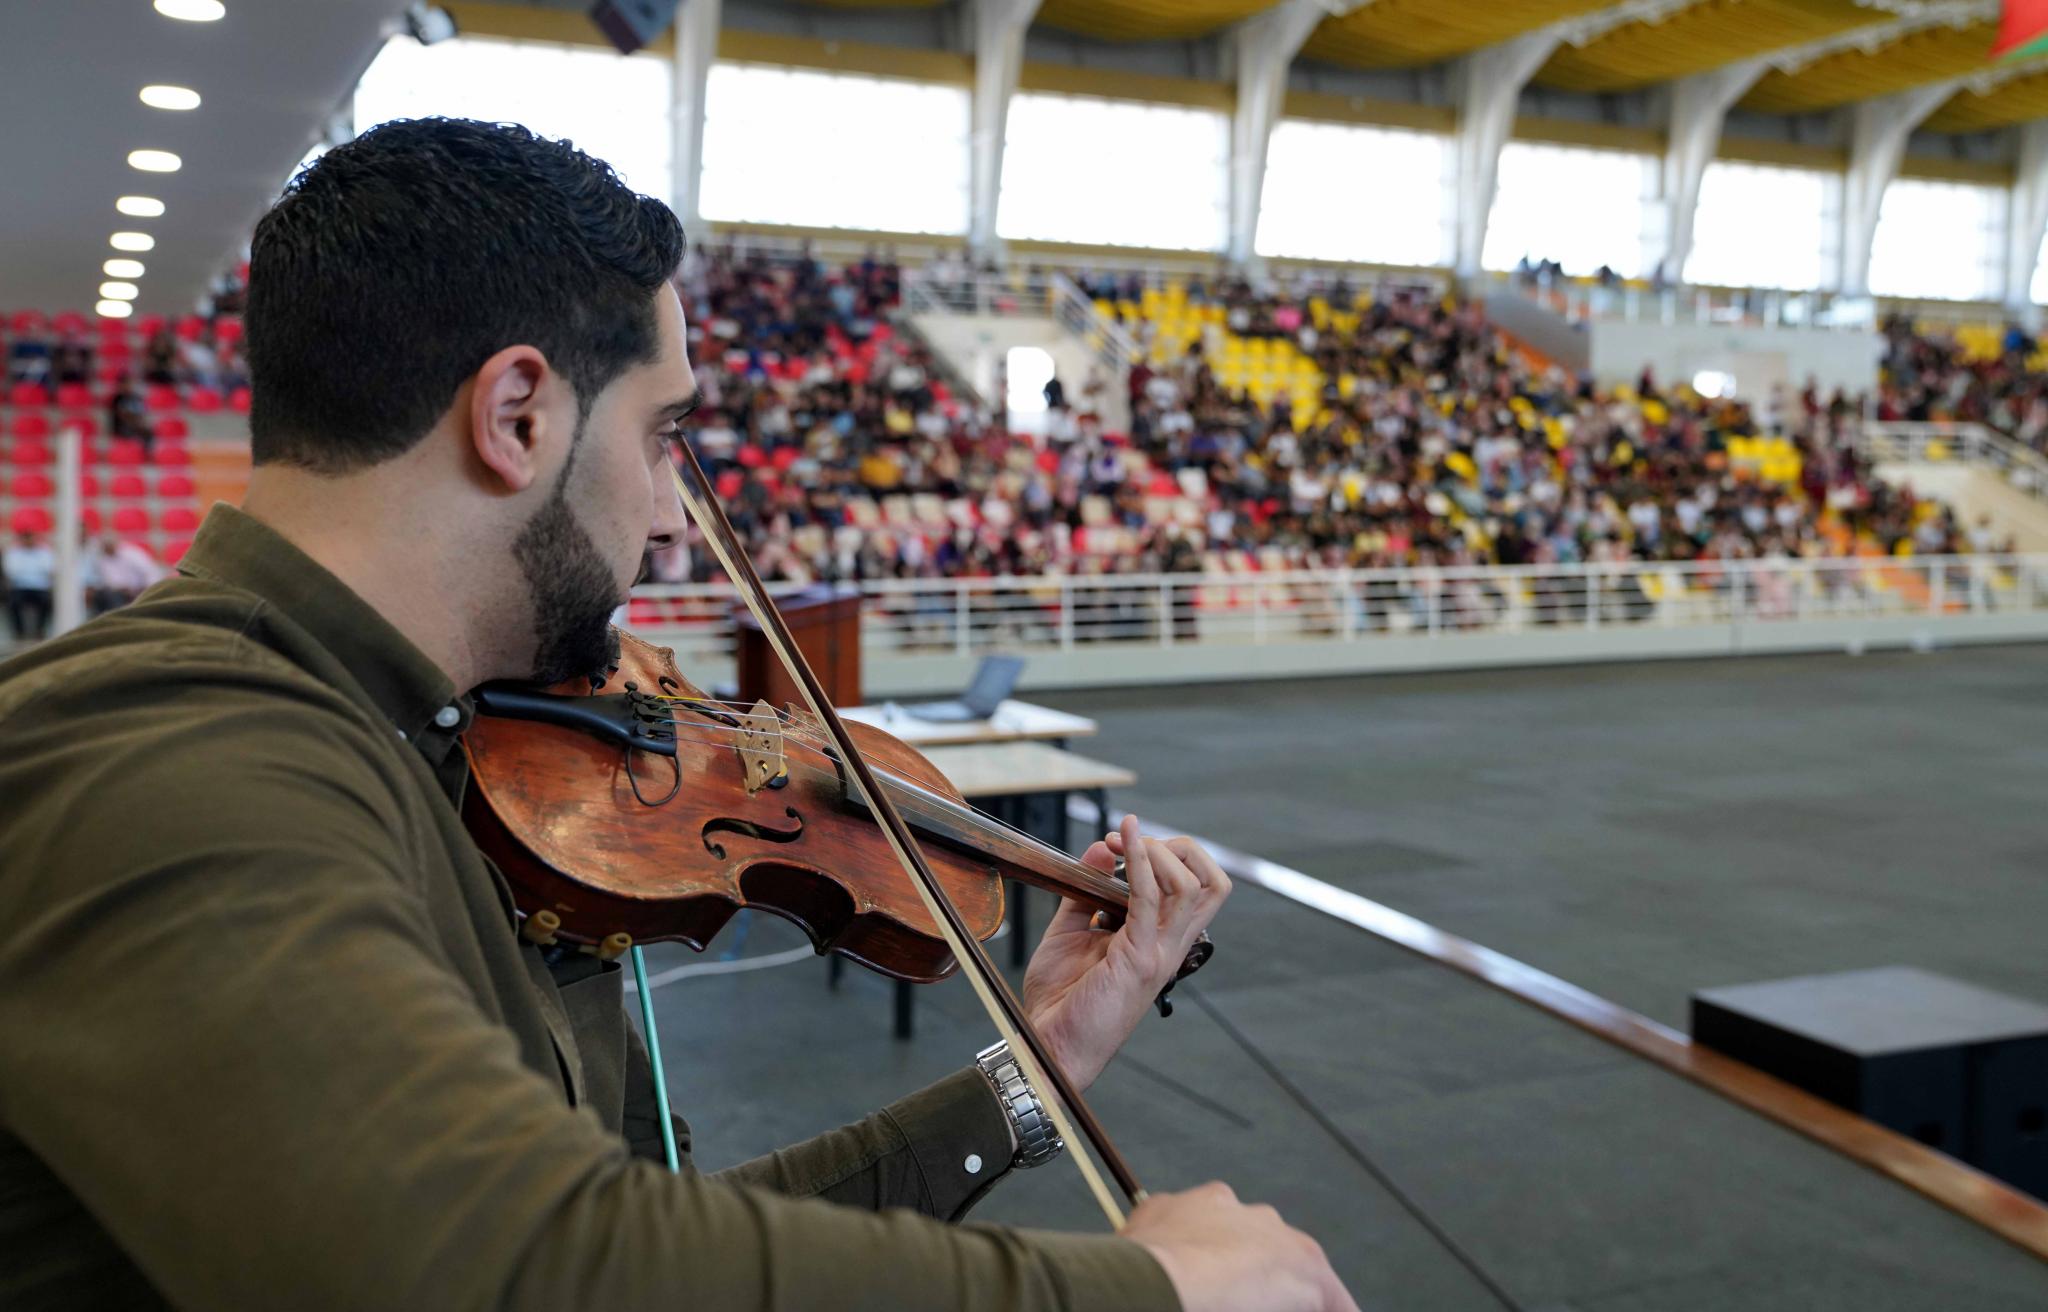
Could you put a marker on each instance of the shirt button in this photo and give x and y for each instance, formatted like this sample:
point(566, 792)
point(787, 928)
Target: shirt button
point(973, 1163)
point(448, 717)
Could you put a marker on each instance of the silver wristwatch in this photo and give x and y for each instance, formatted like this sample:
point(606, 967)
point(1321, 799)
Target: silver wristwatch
point(1037, 1141)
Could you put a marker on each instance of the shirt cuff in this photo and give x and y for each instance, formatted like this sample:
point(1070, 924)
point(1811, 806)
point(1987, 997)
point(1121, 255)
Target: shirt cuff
point(960, 1137)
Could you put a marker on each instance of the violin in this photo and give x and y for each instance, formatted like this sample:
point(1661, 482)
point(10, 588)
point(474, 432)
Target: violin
point(630, 807)
point(878, 859)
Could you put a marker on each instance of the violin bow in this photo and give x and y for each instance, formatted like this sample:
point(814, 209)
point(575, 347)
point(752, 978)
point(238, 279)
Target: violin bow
point(996, 996)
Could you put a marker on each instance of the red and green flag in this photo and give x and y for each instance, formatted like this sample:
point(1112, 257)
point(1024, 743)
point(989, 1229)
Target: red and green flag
point(2022, 30)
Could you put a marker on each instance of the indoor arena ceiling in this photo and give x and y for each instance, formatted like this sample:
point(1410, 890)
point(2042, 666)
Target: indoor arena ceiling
point(268, 75)
point(1828, 53)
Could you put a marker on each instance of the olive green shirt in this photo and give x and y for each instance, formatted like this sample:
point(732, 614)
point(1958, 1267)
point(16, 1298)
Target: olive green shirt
point(268, 1038)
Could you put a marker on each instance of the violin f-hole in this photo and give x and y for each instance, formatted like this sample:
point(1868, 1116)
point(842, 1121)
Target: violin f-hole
point(751, 829)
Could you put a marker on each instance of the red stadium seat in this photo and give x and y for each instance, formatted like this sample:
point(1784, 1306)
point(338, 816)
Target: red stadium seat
point(27, 394)
point(33, 424)
point(33, 453)
point(191, 328)
point(31, 487)
point(124, 451)
point(175, 455)
point(179, 519)
point(173, 486)
point(131, 519)
point(227, 330)
point(128, 487)
point(71, 321)
point(85, 426)
point(203, 400)
point(175, 551)
point(160, 398)
point(32, 519)
point(172, 429)
point(25, 321)
point(89, 520)
point(148, 326)
point(238, 400)
point(75, 396)
point(88, 485)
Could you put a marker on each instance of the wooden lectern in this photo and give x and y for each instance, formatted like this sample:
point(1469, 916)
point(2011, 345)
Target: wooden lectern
point(825, 620)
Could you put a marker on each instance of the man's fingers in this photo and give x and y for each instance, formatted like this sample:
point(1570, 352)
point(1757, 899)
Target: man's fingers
point(1142, 922)
point(1100, 857)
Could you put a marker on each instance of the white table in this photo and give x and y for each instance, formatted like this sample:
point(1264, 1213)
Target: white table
point(1011, 769)
point(1012, 720)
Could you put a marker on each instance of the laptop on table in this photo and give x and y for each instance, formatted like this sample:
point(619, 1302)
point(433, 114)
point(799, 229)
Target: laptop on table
point(993, 680)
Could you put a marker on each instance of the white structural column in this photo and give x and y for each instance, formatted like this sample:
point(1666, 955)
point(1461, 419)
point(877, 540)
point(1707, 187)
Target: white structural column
point(68, 580)
point(999, 27)
point(1699, 105)
point(2027, 220)
point(1877, 142)
point(1489, 83)
point(696, 47)
point(1263, 48)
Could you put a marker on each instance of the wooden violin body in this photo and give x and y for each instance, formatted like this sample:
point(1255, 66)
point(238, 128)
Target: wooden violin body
point(580, 827)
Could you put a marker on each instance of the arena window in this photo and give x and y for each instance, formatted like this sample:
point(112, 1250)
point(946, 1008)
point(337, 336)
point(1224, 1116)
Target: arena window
point(1327, 189)
point(1764, 226)
point(1939, 240)
point(773, 152)
point(616, 109)
point(1114, 173)
point(1581, 208)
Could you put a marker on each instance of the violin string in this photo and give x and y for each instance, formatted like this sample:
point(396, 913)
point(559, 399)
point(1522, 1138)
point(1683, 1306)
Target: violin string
point(724, 735)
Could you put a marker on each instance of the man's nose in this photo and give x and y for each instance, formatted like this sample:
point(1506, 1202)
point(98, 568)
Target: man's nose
point(671, 521)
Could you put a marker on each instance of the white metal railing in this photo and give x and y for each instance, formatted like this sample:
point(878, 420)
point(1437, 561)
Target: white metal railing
point(938, 289)
point(2023, 467)
point(1581, 300)
point(1106, 339)
point(1065, 612)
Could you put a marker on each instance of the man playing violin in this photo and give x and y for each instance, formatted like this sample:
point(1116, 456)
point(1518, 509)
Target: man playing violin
point(271, 1037)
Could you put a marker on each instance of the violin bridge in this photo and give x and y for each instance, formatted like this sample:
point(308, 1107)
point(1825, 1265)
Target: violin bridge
point(759, 743)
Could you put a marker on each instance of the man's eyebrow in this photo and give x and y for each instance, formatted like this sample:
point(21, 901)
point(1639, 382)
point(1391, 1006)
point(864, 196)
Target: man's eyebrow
point(675, 410)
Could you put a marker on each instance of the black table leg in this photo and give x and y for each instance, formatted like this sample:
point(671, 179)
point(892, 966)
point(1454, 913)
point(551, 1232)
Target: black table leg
point(904, 1001)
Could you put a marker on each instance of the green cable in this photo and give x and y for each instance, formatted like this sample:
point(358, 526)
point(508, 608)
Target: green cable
point(668, 1128)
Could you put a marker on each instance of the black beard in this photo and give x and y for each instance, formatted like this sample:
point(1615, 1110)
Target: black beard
point(573, 590)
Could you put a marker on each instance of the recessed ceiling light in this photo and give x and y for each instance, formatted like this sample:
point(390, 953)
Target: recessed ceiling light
point(120, 291)
point(161, 97)
point(192, 11)
point(114, 309)
point(131, 241)
point(141, 207)
point(122, 268)
point(155, 161)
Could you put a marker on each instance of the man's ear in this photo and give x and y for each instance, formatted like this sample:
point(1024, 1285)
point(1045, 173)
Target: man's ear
point(507, 415)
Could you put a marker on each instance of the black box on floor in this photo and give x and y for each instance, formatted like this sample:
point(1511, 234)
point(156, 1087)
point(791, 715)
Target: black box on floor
point(1959, 1068)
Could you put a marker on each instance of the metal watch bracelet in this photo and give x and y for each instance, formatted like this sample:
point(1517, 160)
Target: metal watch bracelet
point(1037, 1141)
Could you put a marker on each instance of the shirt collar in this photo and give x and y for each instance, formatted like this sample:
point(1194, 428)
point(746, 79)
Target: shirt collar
point(241, 551)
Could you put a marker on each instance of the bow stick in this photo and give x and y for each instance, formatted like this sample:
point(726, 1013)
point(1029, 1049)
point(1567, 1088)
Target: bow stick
point(1002, 1004)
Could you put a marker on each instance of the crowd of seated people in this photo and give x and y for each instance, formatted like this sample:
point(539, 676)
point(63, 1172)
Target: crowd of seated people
point(1985, 377)
point(842, 454)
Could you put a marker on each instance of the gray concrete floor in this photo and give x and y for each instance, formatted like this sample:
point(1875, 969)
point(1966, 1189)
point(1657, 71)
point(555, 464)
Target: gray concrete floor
point(1642, 831)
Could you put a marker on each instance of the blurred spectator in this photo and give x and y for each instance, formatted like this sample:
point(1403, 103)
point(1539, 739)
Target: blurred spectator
point(30, 565)
point(126, 415)
point(117, 572)
point(28, 357)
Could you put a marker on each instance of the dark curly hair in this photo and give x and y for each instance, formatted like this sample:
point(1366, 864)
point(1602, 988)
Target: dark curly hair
point(395, 265)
